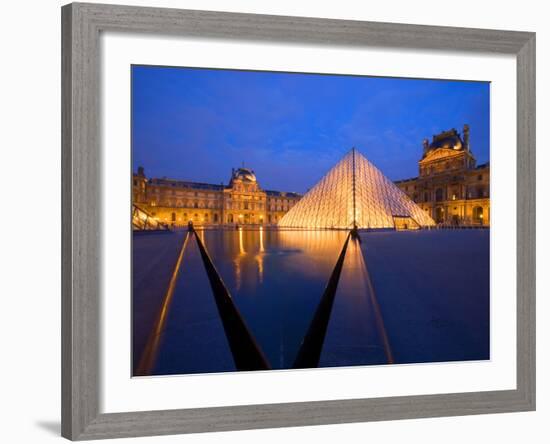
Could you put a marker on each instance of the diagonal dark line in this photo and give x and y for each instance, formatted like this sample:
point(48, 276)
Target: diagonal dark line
point(246, 352)
point(310, 350)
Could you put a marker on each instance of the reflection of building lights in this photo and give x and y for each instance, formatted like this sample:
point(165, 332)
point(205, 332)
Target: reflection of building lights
point(260, 260)
point(241, 243)
point(261, 240)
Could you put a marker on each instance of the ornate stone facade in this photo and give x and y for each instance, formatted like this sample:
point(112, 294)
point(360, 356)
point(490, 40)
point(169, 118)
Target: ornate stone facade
point(241, 202)
point(450, 187)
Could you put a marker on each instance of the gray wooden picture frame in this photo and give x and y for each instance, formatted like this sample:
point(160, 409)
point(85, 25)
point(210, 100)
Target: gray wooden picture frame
point(81, 175)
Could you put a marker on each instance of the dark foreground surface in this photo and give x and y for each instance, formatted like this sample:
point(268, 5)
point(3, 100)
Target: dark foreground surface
point(402, 297)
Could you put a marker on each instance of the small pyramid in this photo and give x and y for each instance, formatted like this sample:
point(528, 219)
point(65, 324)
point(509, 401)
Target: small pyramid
point(354, 192)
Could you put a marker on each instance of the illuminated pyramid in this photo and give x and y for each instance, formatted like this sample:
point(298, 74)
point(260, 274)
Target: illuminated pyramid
point(355, 192)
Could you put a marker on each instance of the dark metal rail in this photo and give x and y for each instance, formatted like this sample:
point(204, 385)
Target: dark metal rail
point(246, 351)
point(310, 350)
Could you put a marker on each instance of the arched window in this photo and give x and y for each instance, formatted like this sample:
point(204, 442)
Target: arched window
point(173, 217)
point(478, 215)
point(439, 195)
point(439, 215)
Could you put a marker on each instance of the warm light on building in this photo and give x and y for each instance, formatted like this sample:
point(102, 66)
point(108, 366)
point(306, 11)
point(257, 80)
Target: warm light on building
point(241, 201)
point(450, 186)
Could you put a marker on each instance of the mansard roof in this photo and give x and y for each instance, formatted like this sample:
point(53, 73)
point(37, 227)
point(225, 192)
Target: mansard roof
point(187, 184)
point(273, 193)
point(210, 186)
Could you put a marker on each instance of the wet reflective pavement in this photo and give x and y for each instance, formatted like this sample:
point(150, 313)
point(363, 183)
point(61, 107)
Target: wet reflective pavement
point(402, 297)
point(192, 339)
point(356, 332)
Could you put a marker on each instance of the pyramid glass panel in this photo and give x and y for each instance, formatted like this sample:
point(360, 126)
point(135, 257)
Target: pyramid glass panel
point(354, 192)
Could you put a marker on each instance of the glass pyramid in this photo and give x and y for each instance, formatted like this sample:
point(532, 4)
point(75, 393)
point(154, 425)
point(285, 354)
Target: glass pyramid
point(355, 192)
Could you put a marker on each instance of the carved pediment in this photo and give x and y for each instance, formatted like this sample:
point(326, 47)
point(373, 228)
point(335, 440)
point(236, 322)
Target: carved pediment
point(441, 153)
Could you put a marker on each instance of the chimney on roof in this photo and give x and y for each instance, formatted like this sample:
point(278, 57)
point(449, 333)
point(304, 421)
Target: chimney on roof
point(466, 136)
point(425, 145)
point(141, 171)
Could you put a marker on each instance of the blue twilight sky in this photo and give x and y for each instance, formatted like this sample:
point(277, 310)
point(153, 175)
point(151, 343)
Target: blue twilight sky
point(196, 124)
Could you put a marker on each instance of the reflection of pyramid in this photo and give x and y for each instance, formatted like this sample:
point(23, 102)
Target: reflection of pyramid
point(355, 192)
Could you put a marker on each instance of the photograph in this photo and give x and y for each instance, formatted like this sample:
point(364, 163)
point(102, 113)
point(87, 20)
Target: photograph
point(289, 220)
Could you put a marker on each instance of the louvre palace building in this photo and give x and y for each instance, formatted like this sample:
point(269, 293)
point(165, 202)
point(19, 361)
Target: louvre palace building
point(450, 186)
point(241, 202)
point(451, 189)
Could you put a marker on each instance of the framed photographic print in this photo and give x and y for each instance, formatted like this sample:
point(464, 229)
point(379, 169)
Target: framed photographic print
point(278, 221)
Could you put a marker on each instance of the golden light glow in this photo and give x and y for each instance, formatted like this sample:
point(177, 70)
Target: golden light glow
point(261, 239)
point(330, 203)
point(241, 243)
point(260, 260)
point(201, 235)
point(260, 256)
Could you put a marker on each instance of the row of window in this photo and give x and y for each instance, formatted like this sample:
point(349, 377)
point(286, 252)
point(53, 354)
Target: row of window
point(414, 187)
point(191, 217)
point(446, 166)
point(244, 206)
point(159, 192)
point(169, 203)
point(245, 188)
point(229, 205)
point(477, 216)
point(440, 195)
point(231, 218)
